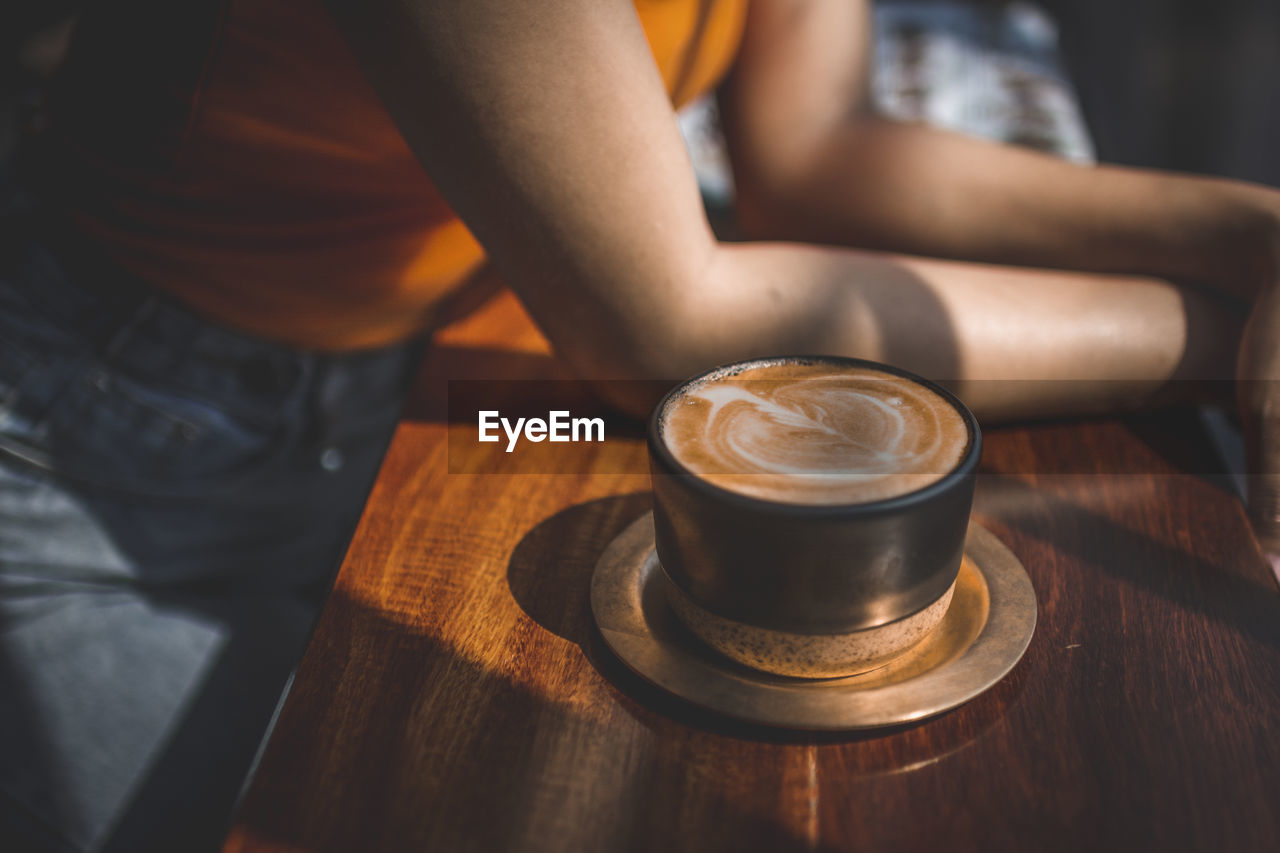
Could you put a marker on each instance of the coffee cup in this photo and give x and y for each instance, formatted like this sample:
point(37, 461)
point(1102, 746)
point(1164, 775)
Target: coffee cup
point(810, 511)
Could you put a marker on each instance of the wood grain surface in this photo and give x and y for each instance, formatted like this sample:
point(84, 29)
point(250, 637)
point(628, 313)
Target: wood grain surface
point(455, 696)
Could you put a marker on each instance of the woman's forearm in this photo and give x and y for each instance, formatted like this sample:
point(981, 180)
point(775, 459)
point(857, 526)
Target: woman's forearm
point(580, 190)
point(906, 187)
point(1013, 342)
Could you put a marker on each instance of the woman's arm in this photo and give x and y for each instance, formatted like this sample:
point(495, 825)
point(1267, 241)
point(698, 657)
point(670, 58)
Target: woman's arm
point(546, 127)
point(815, 163)
point(1259, 398)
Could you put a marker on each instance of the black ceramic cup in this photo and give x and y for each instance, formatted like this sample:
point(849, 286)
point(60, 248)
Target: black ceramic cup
point(789, 579)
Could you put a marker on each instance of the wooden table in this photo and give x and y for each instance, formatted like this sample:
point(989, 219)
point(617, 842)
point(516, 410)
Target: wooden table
point(455, 696)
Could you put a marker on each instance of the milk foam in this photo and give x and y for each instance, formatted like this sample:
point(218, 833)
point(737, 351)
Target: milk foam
point(815, 433)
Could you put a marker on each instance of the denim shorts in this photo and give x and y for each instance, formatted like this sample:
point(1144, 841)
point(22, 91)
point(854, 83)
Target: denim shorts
point(174, 499)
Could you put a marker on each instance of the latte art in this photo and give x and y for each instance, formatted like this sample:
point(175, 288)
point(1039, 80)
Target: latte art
point(814, 433)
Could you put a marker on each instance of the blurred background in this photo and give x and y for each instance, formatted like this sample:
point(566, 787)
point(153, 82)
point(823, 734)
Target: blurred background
point(1178, 84)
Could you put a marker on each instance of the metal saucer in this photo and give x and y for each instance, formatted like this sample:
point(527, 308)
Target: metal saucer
point(986, 630)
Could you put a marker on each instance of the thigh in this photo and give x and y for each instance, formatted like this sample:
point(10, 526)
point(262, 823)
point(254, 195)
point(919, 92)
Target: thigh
point(119, 700)
point(170, 511)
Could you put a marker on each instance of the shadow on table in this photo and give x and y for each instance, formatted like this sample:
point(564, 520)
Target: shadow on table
point(1181, 439)
point(396, 742)
point(1172, 440)
point(1214, 578)
point(555, 593)
point(429, 399)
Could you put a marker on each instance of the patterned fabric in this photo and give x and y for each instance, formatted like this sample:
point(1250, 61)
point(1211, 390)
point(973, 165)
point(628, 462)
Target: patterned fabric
point(989, 70)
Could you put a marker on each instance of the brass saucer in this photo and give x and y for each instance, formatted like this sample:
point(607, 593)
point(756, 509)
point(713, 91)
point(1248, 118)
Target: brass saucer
point(984, 633)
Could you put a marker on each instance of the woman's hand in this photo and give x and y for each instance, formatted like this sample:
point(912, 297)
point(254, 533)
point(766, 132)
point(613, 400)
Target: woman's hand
point(1258, 374)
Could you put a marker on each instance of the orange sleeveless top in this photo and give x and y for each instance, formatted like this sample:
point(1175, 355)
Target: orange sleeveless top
point(233, 154)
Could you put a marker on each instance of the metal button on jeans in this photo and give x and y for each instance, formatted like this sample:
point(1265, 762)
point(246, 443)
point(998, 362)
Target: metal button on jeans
point(331, 459)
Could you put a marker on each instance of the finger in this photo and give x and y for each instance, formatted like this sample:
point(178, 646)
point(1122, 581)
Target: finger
point(1273, 559)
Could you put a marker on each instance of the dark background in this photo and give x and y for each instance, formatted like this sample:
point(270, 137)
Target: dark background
point(1192, 85)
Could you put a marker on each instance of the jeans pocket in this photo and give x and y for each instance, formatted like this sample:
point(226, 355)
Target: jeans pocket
point(170, 420)
point(64, 409)
point(114, 430)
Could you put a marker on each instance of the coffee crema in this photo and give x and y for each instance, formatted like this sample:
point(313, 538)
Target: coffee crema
point(814, 433)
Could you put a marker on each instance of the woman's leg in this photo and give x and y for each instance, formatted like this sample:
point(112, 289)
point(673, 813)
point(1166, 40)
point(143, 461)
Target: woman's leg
point(173, 501)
